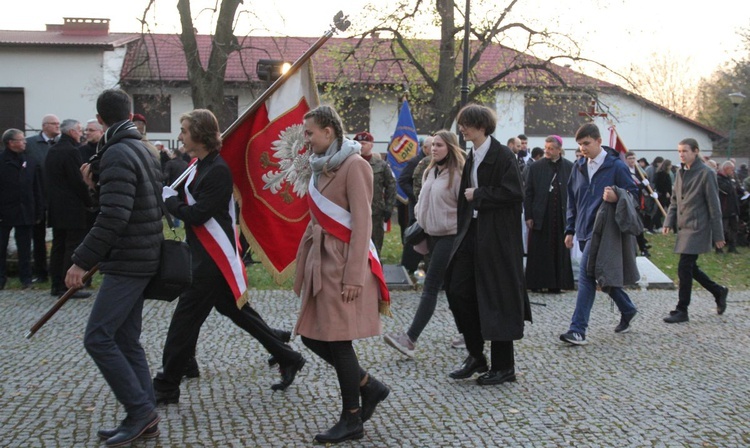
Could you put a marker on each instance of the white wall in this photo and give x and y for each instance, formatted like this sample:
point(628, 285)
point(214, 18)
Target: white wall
point(59, 81)
point(646, 130)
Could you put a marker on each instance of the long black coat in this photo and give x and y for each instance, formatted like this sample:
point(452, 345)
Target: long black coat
point(67, 194)
point(21, 201)
point(501, 286)
point(548, 263)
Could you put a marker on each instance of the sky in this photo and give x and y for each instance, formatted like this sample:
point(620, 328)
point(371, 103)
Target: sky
point(617, 33)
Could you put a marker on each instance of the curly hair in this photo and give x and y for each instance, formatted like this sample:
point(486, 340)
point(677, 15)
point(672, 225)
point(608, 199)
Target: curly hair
point(204, 128)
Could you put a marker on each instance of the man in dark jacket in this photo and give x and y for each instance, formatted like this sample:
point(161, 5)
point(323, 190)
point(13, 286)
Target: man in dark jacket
point(21, 204)
point(591, 183)
point(695, 216)
point(37, 146)
point(485, 283)
point(67, 201)
point(125, 243)
point(729, 193)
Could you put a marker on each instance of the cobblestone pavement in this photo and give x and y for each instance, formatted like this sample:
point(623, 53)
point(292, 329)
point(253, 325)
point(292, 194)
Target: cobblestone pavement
point(660, 385)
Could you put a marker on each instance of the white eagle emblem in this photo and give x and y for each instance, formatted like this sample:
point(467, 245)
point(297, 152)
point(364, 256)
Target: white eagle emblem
point(293, 166)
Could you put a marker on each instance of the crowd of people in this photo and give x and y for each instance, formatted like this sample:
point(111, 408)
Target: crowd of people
point(482, 210)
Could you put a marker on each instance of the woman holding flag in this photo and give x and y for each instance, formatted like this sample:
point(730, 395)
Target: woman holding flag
point(219, 278)
point(339, 277)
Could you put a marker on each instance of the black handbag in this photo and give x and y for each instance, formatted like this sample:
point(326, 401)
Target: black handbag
point(175, 273)
point(414, 234)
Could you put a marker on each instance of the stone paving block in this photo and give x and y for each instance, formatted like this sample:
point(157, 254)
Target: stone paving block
point(659, 385)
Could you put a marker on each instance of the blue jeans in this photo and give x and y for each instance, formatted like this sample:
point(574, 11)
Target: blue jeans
point(587, 294)
point(112, 340)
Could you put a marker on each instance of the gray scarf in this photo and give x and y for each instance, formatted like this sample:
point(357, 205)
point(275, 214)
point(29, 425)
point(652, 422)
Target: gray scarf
point(333, 157)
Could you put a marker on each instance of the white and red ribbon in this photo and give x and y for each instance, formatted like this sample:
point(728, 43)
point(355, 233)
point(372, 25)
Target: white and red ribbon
point(218, 245)
point(337, 221)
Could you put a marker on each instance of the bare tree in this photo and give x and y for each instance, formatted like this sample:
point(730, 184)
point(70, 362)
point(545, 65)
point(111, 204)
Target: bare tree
point(435, 78)
point(667, 80)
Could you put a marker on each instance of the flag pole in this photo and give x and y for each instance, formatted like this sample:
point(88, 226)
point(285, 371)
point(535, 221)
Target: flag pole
point(641, 173)
point(340, 23)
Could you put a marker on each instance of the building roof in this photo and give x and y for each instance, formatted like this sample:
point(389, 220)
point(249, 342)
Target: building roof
point(73, 32)
point(159, 57)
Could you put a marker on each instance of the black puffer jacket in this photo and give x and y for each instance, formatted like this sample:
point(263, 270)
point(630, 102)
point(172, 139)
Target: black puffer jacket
point(127, 234)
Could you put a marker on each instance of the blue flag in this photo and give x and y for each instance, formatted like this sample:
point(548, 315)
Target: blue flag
point(404, 145)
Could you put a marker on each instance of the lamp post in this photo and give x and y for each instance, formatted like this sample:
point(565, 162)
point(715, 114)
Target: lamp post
point(736, 98)
point(465, 71)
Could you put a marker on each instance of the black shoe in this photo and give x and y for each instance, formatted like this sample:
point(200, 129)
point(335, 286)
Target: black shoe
point(721, 300)
point(676, 317)
point(373, 392)
point(272, 361)
point(149, 433)
point(39, 280)
point(288, 373)
point(470, 366)
point(645, 253)
point(191, 369)
point(497, 377)
point(625, 320)
point(349, 427)
point(167, 396)
point(132, 429)
point(554, 291)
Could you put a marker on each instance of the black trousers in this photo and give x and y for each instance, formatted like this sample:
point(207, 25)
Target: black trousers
point(39, 238)
point(464, 304)
point(64, 242)
point(193, 308)
point(687, 270)
point(343, 358)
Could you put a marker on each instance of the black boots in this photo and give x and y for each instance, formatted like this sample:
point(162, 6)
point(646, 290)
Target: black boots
point(349, 427)
point(373, 392)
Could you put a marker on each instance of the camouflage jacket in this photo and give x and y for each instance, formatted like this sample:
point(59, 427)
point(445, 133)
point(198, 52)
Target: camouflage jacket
point(384, 187)
point(419, 175)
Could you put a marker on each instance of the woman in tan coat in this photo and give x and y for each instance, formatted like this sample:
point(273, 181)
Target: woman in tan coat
point(337, 276)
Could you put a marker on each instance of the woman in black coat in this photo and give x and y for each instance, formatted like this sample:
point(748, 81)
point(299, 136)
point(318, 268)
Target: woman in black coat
point(485, 282)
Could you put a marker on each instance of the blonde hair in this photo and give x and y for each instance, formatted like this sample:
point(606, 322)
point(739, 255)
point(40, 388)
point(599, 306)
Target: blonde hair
point(455, 157)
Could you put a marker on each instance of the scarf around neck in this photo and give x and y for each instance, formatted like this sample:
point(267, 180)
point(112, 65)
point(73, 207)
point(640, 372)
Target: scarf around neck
point(333, 157)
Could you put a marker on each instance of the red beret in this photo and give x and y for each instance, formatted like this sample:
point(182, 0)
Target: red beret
point(364, 137)
point(139, 117)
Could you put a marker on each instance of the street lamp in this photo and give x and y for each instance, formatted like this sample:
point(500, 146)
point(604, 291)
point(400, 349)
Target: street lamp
point(736, 98)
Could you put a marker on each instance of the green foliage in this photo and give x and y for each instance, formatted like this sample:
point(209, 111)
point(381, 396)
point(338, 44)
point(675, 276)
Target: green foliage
point(716, 109)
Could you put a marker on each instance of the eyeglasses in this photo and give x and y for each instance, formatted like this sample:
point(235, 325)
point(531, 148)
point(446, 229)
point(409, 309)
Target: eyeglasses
point(54, 123)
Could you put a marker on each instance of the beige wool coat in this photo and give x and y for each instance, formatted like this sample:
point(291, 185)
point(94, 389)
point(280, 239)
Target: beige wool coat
point(325, 263)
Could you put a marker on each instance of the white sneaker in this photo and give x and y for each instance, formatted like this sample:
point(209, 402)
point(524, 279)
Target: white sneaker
point(400, 342)
point(458, 342)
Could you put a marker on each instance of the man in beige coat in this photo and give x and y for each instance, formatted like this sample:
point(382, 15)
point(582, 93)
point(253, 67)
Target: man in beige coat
point(695, 215)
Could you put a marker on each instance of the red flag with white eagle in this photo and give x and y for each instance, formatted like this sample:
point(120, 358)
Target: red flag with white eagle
point(270, 168)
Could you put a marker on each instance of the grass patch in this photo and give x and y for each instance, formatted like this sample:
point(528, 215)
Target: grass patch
point(726, 269)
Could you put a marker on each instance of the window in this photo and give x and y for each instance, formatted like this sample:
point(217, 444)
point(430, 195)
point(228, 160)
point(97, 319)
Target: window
point(157, 109)
point(13, 112)
point(554, 113)
point(355, 113)
point(229, 115)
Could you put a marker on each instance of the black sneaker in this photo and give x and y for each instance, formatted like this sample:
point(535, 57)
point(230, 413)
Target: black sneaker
point(573, 338)
point(677, 317)
point(625, 320)
point(721, 300)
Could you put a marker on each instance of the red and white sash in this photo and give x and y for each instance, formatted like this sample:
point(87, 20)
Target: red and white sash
point(338, 222)
point(219, 247)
